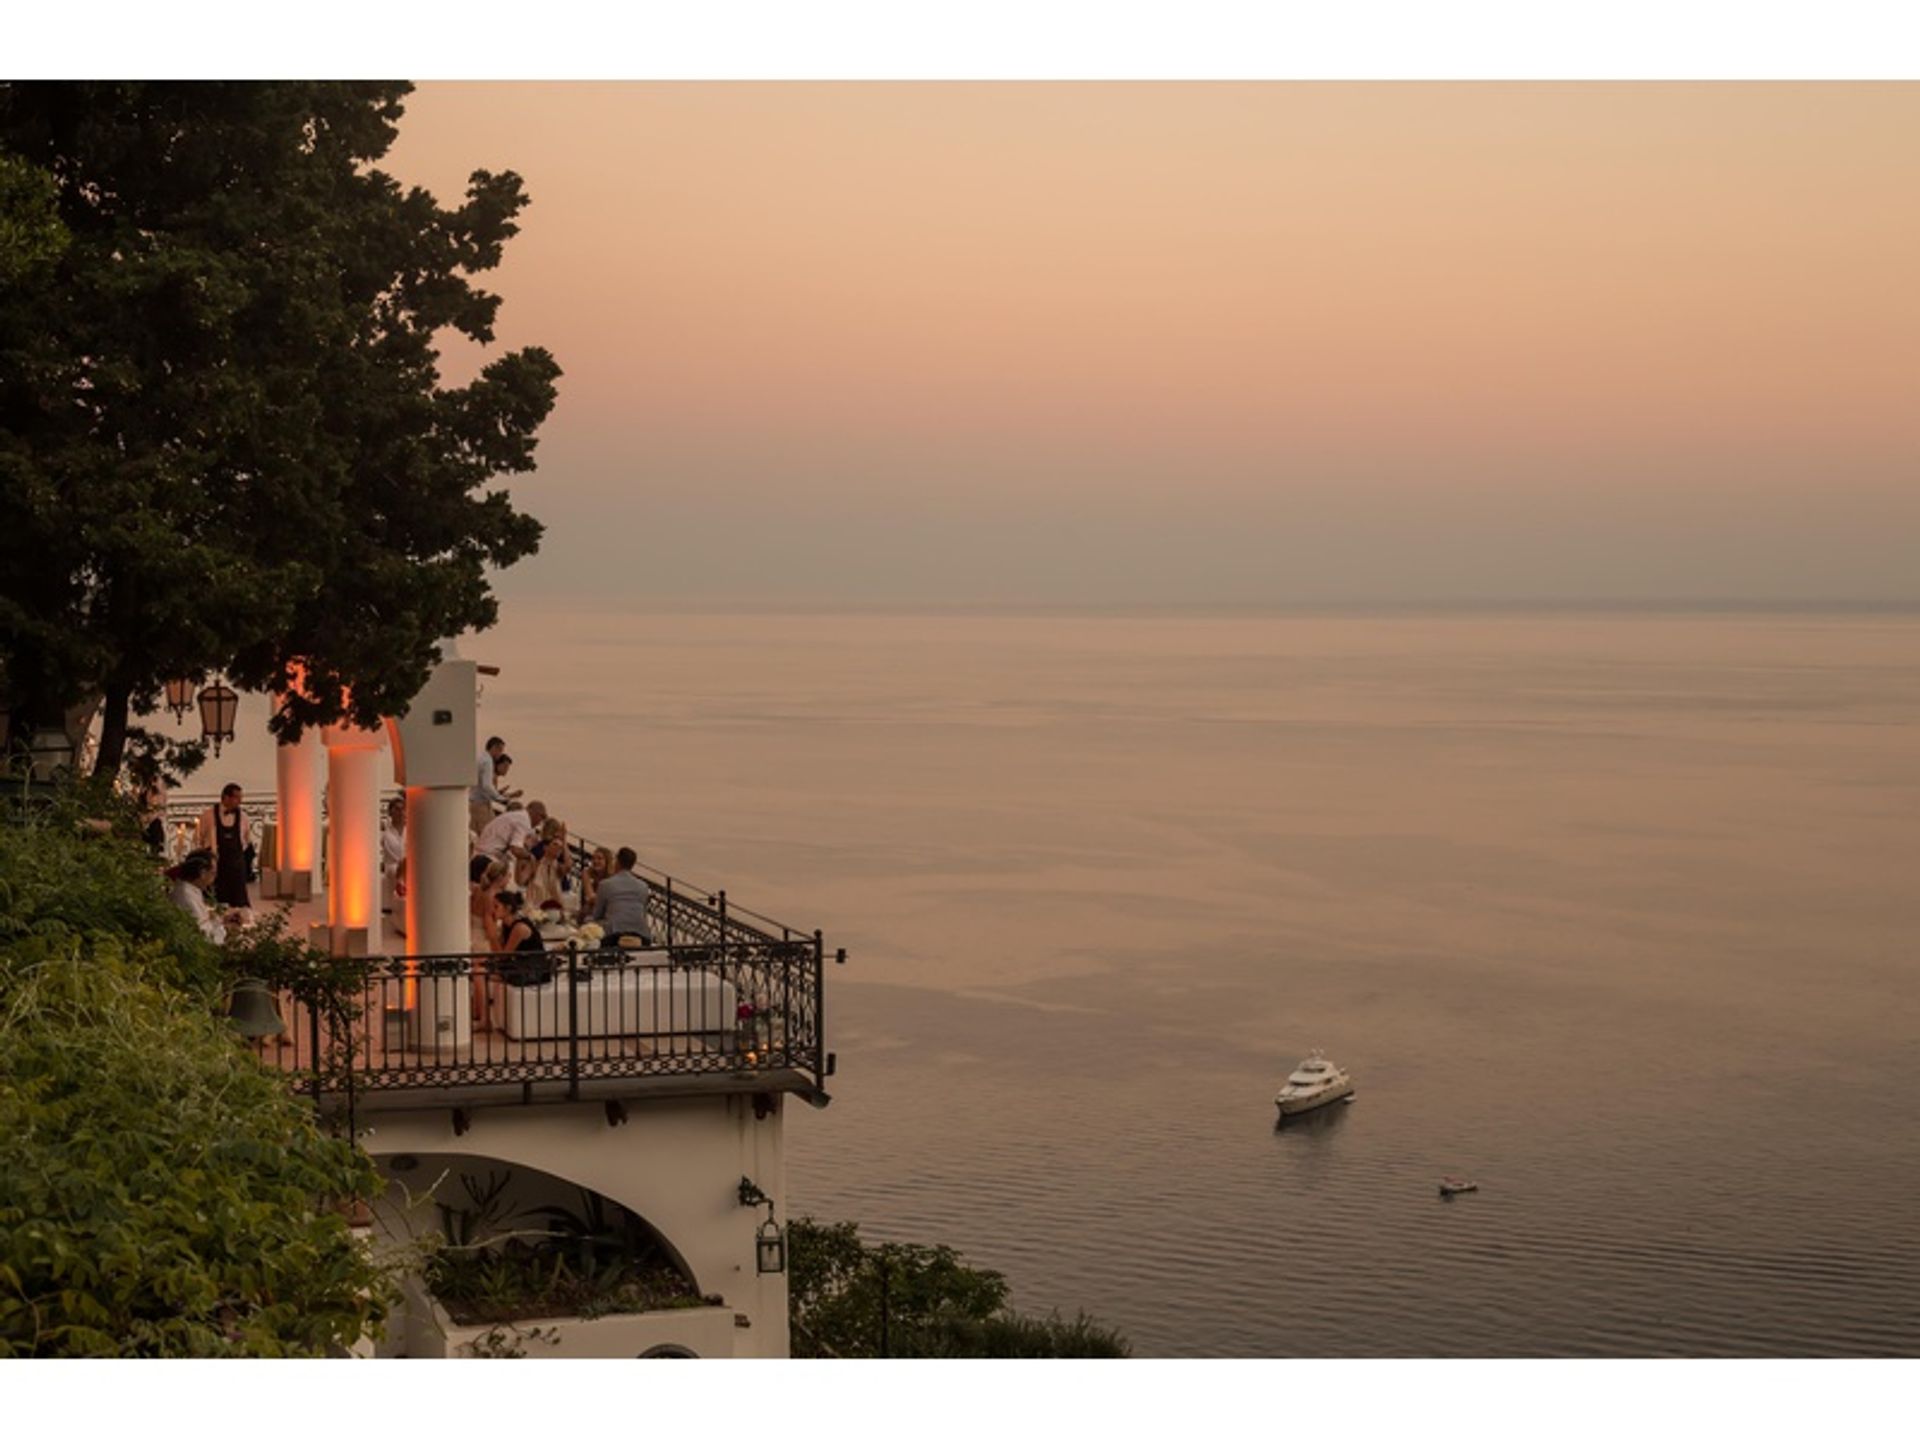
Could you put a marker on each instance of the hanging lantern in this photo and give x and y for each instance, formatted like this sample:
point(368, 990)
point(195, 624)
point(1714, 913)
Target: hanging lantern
point(180, 696)
point(770, 1247)
point(219, 705)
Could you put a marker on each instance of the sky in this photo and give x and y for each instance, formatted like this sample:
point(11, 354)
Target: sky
point(1192, 344)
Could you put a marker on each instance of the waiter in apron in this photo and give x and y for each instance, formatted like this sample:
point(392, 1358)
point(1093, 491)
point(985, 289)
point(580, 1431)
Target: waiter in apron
point(223, 830)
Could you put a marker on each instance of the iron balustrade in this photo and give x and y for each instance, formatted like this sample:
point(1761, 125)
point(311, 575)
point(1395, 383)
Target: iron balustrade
point(607, 1018)
point(557, 1020)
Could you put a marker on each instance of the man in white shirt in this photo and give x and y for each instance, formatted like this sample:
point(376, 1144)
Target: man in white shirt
point(393, 839)
point(511, 830)
point(484, 795)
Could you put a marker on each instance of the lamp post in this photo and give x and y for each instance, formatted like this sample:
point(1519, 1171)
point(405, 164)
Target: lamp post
point(219, 706)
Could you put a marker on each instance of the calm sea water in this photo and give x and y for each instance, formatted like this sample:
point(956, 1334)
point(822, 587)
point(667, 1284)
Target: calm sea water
point(1617, 915)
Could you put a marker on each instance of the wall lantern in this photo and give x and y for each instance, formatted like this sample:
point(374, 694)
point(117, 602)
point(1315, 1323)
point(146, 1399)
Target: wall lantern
point(769, 1241)
point(218, 708)
point(770, 1247)
point(180, 696)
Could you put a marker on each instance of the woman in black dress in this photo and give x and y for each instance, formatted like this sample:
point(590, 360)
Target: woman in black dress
point(529, 963)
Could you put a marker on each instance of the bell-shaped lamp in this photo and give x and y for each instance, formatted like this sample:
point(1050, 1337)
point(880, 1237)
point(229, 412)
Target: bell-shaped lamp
point(254, 1012)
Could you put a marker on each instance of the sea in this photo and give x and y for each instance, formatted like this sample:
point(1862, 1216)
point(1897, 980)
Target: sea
point(1615, 913)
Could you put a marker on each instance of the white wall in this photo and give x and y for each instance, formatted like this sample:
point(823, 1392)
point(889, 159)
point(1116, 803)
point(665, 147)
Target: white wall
point(677, 1163)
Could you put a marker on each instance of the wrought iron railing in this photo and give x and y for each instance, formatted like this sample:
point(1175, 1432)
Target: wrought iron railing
point(564, 1019)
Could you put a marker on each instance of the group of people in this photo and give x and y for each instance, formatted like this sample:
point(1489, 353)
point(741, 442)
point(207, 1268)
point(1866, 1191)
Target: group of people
point(218, 865)
point(522, 873)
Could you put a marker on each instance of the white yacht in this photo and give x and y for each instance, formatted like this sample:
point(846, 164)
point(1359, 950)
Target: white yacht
point(1315, 1082)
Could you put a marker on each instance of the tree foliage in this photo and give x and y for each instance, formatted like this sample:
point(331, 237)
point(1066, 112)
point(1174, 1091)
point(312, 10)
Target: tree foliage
point(164, 1193)
point(849, 1299)
point(224, 441)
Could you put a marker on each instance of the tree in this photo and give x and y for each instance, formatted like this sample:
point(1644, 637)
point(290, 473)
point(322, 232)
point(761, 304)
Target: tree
point(224, 444)
point(848, 1299)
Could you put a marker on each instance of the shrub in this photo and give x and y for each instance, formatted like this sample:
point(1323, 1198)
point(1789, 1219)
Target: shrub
point(849, 1299)
point(164, 1194)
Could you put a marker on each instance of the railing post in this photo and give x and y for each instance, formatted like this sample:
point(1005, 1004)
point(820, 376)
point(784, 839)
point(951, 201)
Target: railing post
point(313, 1042)
point(573, 1020)
point(819, 1010)
point(720, 898)
point(668, 938)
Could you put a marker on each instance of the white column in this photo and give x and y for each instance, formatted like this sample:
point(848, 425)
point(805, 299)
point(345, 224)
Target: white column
point(353, 840)
point(437, 901)
point(297, 862)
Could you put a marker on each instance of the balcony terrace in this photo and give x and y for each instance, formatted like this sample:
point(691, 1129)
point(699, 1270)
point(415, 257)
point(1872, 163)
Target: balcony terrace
point(726, 1001)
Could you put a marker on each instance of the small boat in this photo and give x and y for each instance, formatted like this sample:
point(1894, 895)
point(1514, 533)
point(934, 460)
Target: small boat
point(1451, 1185)
point(1315, 1082)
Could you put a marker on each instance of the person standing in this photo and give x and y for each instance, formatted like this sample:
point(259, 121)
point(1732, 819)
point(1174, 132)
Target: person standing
point(484, 795)
point(153, 815)
point(225, 831)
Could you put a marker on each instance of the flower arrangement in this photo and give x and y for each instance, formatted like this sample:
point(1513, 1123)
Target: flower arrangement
point(590, 934)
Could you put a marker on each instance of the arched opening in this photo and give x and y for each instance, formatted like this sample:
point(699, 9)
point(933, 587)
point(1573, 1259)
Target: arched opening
point(508, 1244)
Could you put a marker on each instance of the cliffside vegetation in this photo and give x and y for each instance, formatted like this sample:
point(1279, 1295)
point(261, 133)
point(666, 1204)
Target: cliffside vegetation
point(163, 1194)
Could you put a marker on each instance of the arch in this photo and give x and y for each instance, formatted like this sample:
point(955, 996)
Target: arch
point(667, 1352)
point(432, 1184)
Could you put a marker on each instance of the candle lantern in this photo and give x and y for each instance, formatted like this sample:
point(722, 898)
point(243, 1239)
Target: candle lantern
point(770, 1247)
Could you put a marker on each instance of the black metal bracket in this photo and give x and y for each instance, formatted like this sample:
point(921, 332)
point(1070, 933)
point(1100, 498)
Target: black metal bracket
point(752, 1194)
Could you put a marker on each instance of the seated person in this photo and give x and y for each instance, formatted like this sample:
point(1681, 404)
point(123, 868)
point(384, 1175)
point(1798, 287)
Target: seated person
point(620, 901)
point(599, 867)
point(530, 964)
point(543, 873)
point(192, 878)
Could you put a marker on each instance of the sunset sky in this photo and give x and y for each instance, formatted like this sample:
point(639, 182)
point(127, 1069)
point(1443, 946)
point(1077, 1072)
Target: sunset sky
point(1210, 343)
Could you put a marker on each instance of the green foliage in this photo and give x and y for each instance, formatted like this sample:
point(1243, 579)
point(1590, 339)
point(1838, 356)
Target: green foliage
point(60, 879)
point(224, 442)
point(844, 1295)
point(31, 235)
point(163, 1193)
point(599, 1259)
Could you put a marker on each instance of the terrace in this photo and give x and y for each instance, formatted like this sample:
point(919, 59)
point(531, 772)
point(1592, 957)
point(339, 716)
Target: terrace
point(726, 1001)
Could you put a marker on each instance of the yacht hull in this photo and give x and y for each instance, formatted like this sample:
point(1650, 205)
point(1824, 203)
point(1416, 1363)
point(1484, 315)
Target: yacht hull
point(1301, 1104)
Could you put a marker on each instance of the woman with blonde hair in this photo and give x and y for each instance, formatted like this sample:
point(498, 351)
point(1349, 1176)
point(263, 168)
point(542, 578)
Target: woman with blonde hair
point(599, 866)
point(544, 866)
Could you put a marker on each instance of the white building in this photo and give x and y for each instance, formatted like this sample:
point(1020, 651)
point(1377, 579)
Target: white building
point(637, 1094)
